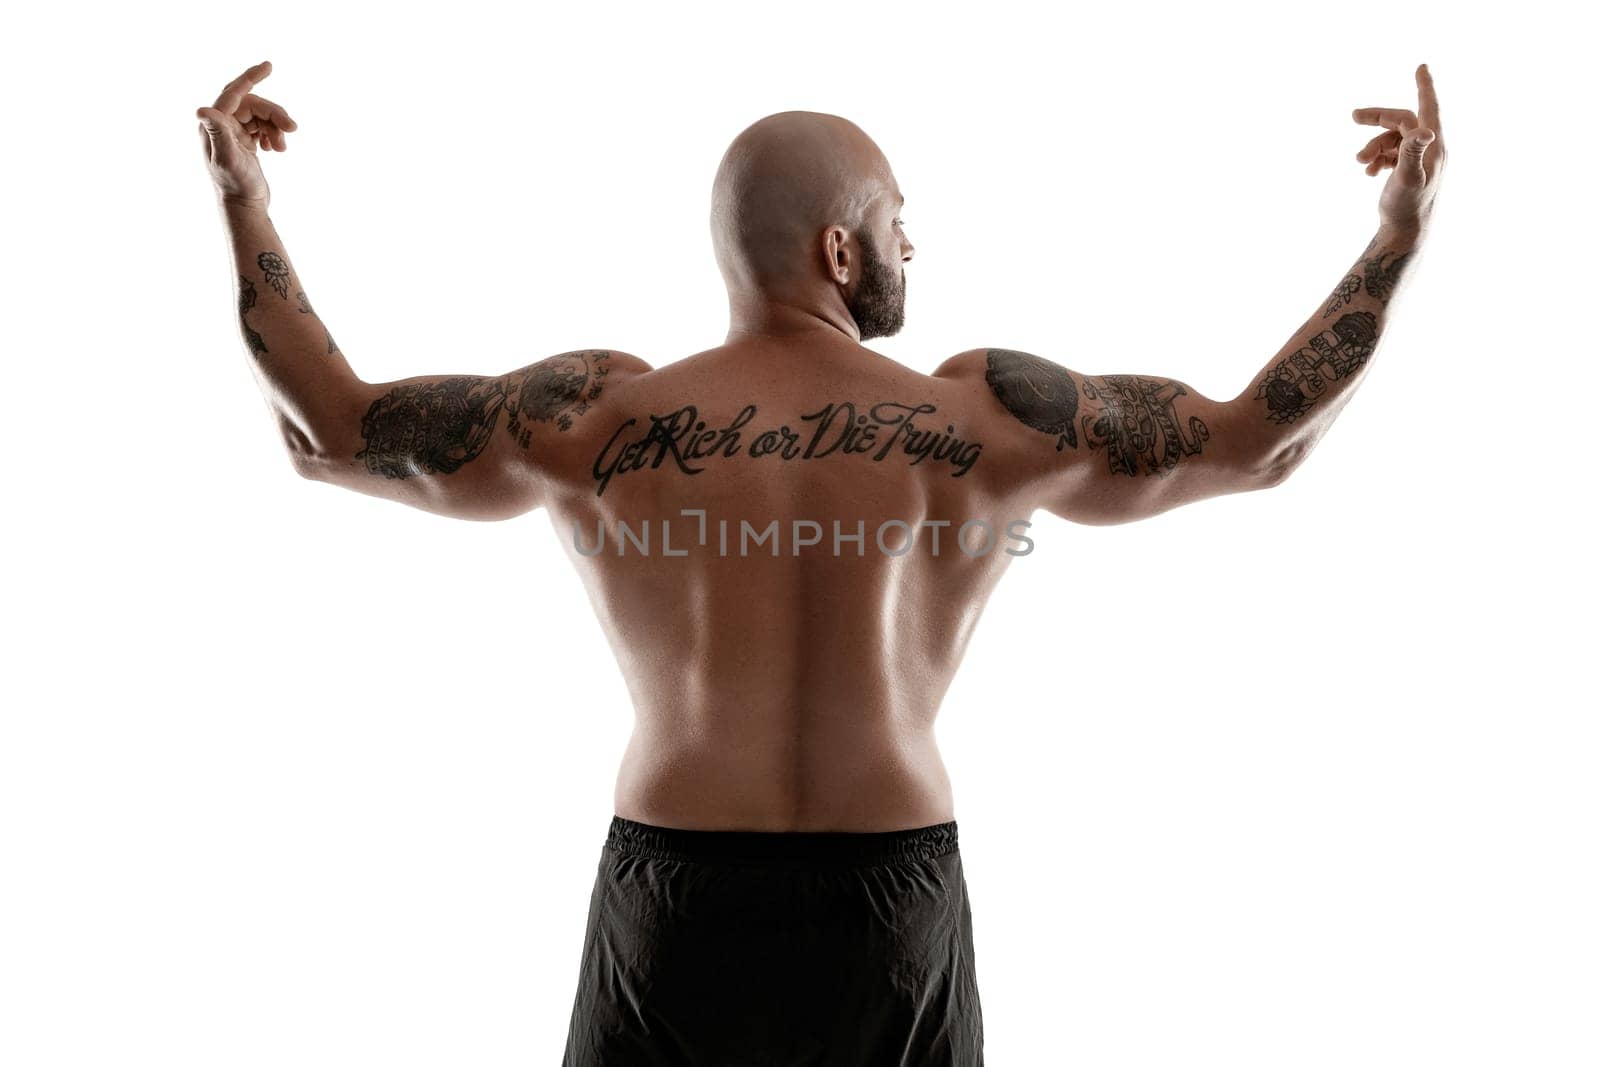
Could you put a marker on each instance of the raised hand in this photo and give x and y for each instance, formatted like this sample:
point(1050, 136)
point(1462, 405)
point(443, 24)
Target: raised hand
point(1413, 145)
point(234, 127)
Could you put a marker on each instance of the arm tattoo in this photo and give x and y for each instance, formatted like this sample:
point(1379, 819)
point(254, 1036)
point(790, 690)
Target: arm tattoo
point(431, 428)
point(1381, 277)
point(1343, 294)
point(277, 271)
point(247, 300)
point(438, 427)
point(1292, 386)
point(556, 390)
point(1133, 418)
point(1380, 280)
point(1041, 394)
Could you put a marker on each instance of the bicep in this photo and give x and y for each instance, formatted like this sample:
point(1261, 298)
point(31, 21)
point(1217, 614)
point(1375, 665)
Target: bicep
point(463, 445)
point(1113, 448)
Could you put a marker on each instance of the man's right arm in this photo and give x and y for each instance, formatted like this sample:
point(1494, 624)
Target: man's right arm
point(1118, 447)
point(1114, 448)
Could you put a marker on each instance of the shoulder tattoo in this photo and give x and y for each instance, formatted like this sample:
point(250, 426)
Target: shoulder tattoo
point(1041, 394)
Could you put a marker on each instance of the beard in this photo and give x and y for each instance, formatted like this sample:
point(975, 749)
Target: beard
point(879, 304)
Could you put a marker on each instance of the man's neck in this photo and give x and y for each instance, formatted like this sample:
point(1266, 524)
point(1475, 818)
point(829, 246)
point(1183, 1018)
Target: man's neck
point(764, 318)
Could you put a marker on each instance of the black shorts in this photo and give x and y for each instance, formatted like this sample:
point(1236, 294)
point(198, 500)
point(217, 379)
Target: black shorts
point(710, 948)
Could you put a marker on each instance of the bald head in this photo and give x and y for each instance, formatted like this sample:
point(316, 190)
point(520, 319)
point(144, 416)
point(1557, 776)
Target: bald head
point(781, 183)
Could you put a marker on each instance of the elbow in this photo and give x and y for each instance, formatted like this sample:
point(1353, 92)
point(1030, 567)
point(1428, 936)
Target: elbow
point(309, 466)
point(316, 464)
point(1282, 463)
point(307, 460)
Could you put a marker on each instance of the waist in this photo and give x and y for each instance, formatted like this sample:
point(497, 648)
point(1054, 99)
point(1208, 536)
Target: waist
point(847, 848)
point(876, 784)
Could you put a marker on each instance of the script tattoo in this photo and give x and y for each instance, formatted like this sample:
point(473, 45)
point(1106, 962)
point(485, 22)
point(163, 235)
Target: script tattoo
point(838, 427)
point(1292, 386)
point(1135, 422)
point(1041, 394)
point(247, 300)
point(438, 427)
point(276, 270)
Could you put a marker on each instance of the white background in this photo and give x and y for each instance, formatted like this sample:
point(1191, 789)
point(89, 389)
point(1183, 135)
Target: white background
point(289, 775)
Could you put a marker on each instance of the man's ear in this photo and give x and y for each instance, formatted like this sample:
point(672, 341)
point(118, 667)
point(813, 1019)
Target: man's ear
point(836, 249)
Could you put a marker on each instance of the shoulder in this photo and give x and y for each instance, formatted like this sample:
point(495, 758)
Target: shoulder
point(551, 395)
point(1019, 380)
point(1032, 399)
point(624, 364)
point(593, 362)
point(581, 375)
point(998, 366)
point(973, 363)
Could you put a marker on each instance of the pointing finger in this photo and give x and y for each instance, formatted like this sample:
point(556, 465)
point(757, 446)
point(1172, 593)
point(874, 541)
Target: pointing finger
point(234, 91)
point(1394, 118)
point(1427, 99)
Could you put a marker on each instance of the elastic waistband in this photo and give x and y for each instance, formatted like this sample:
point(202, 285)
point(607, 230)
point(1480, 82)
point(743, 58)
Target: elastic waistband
point(809, 846)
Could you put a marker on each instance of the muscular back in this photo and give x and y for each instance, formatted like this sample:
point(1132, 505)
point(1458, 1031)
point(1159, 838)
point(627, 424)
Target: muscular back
point(788, 545)
point(779, 682)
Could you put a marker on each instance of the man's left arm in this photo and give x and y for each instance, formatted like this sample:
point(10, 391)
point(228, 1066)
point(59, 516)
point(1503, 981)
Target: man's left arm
point(452, 444)
point(456, 444)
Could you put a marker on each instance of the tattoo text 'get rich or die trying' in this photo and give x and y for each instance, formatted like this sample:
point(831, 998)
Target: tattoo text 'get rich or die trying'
point(876, 431)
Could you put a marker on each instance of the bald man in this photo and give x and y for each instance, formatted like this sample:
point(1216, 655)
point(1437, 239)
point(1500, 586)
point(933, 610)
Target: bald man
point(788, 539)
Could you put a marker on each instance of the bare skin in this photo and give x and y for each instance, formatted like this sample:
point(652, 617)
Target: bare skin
point(798, 691)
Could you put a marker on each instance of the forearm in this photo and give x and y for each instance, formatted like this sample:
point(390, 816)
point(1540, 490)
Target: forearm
point(298, 364)
point(1296, 396)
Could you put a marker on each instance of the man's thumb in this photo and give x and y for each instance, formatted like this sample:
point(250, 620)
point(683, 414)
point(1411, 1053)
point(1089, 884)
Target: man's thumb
point(211, 119)
point(1413, 149)
point(211, 136)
